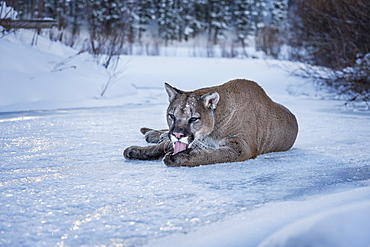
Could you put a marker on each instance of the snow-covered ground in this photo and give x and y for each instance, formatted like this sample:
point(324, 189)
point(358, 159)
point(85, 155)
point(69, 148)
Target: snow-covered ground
point(64, 181)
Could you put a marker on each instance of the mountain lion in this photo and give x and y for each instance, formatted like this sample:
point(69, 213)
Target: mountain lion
point(232, 122)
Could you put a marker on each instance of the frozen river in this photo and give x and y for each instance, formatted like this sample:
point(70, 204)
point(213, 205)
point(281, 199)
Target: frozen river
point(65, 182)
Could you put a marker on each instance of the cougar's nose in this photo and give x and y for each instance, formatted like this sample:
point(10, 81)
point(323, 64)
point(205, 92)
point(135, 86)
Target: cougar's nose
point(178, 135)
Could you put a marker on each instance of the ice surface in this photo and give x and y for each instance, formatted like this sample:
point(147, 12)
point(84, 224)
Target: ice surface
point(64, 181)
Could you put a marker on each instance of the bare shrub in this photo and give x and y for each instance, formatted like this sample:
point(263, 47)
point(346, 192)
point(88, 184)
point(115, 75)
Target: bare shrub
point(334, 34)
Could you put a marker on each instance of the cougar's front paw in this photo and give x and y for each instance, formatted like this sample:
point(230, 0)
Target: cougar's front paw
point(171, 160)
point(133, 153)
point(179, 159)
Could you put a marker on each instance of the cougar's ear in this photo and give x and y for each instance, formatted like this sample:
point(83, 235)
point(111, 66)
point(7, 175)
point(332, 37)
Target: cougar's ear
point(171, 91)
point(210, 100)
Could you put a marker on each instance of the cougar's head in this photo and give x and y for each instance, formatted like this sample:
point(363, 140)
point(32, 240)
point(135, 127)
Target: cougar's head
point(190, 116)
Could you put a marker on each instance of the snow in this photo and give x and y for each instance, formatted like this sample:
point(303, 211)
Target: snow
point(340, 226)
point(7, 12)
point(335, 219)
point(64, 181)
point(39, 77)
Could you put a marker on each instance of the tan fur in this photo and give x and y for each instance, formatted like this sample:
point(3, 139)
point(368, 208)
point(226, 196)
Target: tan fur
point(232, 122)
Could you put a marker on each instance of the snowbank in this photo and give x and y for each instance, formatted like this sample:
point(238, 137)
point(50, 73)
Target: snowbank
point(337, 219)
point(50, 75)
point(341, 226)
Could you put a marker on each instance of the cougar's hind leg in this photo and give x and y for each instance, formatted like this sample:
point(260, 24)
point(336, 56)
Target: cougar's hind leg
point(144, 130)
point(154, 136)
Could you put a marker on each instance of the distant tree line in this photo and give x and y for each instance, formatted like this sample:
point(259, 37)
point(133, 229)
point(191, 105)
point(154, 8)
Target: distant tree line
point(121, 22)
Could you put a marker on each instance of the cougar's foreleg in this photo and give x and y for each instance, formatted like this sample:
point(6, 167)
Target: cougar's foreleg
point(153, 152)
point(233, 150)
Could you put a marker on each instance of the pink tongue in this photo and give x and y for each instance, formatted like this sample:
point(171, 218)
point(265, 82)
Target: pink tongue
point(179, 146)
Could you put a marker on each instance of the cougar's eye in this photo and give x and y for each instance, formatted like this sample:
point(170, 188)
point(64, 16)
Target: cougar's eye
point(171, 116)
point(193, 119)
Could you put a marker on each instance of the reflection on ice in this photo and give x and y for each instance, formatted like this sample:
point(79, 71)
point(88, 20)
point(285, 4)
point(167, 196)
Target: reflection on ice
point(18, 119)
